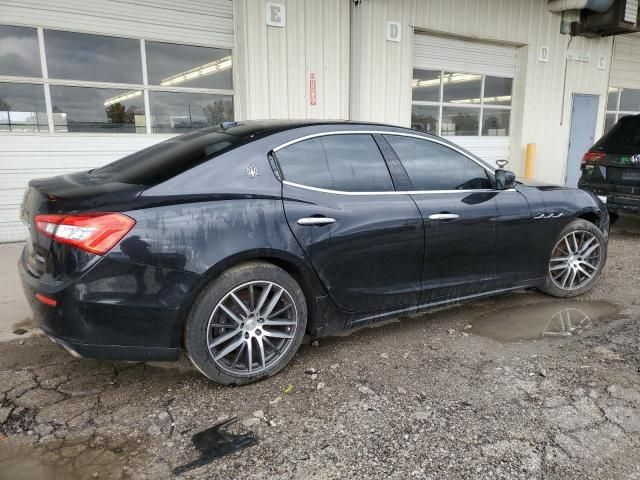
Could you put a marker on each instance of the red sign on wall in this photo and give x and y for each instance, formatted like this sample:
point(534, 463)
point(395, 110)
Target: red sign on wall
point(312, 89)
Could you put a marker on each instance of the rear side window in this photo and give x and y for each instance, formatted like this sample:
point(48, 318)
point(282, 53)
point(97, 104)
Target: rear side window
point(350, 163)
point(432, 166)
point(624, 135)
point(167, 159)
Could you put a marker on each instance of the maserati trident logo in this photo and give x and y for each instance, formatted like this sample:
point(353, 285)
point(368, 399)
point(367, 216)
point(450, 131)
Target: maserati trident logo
point(252, 171)
point(635, 159)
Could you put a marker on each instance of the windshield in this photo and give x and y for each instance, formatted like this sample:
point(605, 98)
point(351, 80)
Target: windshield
point(167, 159)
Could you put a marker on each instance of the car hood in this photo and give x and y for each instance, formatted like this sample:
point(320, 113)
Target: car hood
point(531, 182)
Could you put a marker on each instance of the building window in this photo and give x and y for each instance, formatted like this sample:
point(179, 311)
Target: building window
point(106, 84)
point(98, 58)
point(171, 65)
point(174, 112)
point(97, 110)
point(621, 102)
point(19, 53)
point(456, 103)
point(22, 108)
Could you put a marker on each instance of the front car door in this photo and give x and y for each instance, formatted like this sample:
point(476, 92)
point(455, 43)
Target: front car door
point(364, 239)
point(467, 220)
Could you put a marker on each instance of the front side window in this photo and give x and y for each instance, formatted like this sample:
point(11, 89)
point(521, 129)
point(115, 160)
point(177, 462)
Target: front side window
point(460, 104)
point(432, 166)
point(350, 163)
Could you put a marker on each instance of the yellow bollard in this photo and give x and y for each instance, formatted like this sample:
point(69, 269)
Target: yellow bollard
point(530, 161)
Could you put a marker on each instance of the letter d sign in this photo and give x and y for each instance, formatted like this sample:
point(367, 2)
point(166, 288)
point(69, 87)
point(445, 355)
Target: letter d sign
point(393, 31)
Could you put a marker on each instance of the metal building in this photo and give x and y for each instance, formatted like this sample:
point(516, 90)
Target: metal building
point(85, 82)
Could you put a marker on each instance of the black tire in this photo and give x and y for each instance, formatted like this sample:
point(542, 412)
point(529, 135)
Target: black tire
point(550, 286)
point(196, 336)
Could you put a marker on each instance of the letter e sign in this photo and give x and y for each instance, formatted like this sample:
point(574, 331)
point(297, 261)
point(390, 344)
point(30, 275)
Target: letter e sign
point(276, 14)
point(393, 31)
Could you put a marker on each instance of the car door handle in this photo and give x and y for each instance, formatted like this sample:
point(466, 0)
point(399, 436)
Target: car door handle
point(443, 216)
point(316, 221)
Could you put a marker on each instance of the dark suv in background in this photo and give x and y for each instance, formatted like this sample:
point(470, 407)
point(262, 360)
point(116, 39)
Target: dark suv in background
point(611, 168)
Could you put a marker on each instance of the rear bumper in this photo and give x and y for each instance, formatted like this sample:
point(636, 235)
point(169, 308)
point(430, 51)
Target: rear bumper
point(617, 202)
point(116, 310)
point(115, 352)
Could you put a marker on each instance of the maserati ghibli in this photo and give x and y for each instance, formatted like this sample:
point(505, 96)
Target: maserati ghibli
point(232, 243)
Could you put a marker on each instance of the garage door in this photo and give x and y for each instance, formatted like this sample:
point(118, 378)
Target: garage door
point(624, 82)
point(119, 76)
point(462, 90)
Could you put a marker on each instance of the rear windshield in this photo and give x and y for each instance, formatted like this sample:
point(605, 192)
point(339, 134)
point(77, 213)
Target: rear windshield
point(167, 159)
point(624, 137)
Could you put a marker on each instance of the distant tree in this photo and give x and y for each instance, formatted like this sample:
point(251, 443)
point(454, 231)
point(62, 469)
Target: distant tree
point(218, 111)
point(4, 106)
point(119, 115)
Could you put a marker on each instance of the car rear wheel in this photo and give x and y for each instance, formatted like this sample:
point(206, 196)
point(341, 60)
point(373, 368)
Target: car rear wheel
point(247, 324)
point(577, 259)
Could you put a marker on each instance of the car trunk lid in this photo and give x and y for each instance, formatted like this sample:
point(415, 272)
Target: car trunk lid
point(74, 193)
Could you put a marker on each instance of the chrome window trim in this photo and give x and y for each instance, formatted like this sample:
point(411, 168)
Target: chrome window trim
point(394, 192)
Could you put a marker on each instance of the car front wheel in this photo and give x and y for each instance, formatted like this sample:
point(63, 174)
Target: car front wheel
point(577, 259)
point(247, 324)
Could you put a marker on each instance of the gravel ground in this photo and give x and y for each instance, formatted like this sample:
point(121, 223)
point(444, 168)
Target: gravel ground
point(517, 386)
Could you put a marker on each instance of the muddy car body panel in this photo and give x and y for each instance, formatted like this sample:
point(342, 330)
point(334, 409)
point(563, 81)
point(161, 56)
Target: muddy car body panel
point(209, 200)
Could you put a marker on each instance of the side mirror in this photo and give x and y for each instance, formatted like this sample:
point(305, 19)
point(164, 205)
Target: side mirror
point(505, 179)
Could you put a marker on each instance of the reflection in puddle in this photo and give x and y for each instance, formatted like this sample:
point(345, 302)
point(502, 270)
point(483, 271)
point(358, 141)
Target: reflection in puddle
point(546, 319)
point(566, 322)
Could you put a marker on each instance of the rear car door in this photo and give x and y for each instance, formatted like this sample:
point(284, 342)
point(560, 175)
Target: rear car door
point(466, 219)
point(364, 239)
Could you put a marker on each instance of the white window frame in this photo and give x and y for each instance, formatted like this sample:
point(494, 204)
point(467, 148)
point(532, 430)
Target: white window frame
point(481, 106)
point(617, 112)
point(47, 82)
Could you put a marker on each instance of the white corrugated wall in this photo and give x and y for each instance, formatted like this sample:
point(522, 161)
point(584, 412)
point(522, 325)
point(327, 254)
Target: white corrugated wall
point(27, 156)
point(277, 62)
point(383, 70)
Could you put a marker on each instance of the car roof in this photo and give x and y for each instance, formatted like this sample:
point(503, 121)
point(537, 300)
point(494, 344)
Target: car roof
point(630, 118)
point(258, 128)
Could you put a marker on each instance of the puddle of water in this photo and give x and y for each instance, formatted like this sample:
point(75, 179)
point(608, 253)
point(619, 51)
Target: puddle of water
point(62, 460)
point(216, 442)
point(565, 318)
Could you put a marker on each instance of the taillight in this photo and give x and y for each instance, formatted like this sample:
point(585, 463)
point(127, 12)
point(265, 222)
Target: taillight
point(590, 158)
point(94, 232)
point(49, 302)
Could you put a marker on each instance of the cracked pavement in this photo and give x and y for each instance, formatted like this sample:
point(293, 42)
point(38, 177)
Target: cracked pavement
point(516, 386)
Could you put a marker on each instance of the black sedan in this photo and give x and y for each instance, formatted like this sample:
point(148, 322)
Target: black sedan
point(233, 242)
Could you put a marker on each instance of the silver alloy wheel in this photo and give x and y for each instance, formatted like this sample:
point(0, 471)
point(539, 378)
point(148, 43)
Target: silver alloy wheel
point(251, 328)
point(575, 260)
